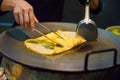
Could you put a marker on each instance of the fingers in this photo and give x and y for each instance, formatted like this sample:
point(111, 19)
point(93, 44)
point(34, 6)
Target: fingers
point(24, 15)
point(32, 20)
point(26, 18)
point(36, 21)
point(18, 17)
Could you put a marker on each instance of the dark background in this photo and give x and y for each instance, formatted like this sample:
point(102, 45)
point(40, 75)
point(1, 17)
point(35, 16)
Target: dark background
point(110, 15)
point(73, 12)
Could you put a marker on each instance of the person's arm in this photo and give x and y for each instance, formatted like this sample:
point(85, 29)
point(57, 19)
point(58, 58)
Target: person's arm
point(23, 12)
point(95, 5)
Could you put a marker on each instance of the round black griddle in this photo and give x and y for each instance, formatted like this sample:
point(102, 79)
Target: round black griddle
point(100, 54)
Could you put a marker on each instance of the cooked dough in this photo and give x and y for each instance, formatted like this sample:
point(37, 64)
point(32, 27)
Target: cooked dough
point(43, 45)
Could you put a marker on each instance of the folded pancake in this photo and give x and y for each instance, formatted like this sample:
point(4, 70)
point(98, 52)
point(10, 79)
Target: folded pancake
point(43, 45)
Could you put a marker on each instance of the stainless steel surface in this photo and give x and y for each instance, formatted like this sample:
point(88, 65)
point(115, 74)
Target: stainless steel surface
point(87, 28)
point(12, 46)
point(16, 71)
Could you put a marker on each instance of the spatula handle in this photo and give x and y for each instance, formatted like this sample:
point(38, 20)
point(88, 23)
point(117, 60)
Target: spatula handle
point(87, 15)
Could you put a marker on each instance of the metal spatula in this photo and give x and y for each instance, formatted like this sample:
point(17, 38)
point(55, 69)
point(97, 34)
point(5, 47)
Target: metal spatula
point(40, 25)
point(86, 27)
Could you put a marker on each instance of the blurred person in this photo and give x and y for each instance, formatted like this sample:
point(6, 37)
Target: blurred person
point(29, 12)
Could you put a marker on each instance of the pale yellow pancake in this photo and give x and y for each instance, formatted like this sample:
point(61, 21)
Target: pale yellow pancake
point(43, 45)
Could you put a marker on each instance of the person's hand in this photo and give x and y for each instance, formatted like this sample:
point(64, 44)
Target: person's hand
point(23, 12)
point(94, 4)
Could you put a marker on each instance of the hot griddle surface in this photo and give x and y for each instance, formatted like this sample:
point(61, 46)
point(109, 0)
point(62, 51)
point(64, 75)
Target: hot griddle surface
point(12, 46)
